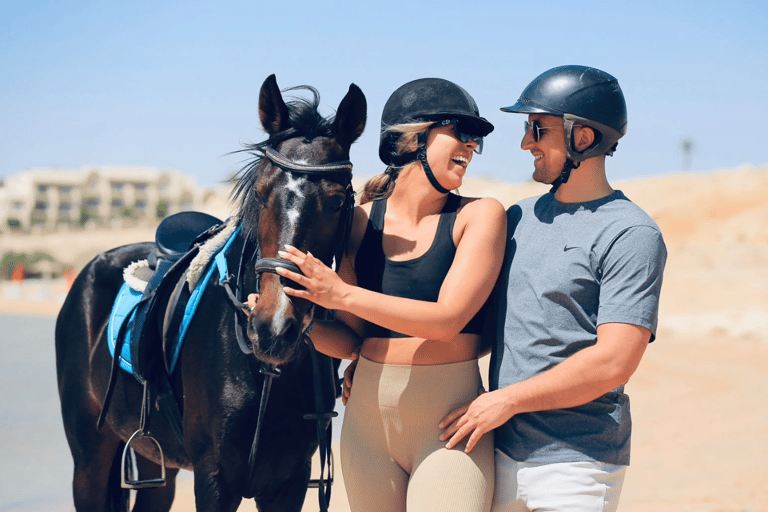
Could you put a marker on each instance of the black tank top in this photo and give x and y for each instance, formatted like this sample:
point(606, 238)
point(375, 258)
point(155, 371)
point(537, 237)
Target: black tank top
point(419, 278)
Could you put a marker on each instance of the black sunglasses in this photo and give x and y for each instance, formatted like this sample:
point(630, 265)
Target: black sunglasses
point(537, 130)
point(464, 137)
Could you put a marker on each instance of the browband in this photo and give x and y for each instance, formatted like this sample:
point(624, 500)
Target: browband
point(288, 164)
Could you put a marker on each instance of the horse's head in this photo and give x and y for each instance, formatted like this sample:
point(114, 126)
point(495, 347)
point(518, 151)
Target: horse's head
point(297, 191)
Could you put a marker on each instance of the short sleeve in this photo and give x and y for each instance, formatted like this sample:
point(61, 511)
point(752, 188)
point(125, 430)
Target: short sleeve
point(632, 271)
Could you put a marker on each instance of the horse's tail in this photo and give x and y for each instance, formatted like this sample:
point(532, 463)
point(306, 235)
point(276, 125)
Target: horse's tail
point(118, 499)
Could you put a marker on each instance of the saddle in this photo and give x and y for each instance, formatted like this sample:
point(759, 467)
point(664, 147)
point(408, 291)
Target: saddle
point(150, 308)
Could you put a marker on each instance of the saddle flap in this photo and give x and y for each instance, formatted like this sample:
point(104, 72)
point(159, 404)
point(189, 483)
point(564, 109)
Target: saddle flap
point(147, 345)
point(172, 320)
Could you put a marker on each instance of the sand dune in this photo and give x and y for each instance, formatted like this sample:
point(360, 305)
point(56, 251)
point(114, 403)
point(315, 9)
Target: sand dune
point(699, 396)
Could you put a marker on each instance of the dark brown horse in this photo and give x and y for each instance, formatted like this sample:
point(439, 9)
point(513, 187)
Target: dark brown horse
point(282, 200)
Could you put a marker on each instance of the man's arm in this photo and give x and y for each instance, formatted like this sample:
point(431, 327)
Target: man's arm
point(583, 377)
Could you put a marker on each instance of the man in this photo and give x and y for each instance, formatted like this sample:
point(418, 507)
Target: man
point(577, 305)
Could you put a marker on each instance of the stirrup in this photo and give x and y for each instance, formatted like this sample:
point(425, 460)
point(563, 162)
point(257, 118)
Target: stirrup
point(142, 484)
point(142, 433)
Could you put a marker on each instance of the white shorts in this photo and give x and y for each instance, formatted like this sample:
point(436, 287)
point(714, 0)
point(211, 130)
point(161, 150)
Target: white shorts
point(560, 487)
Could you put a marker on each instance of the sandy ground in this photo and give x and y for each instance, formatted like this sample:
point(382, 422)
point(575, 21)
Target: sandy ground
point(700, 395)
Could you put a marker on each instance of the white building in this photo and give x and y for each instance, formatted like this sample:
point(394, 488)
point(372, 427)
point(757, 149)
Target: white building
point(48, 199)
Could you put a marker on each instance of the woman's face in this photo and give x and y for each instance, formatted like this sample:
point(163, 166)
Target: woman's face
point(448, 156)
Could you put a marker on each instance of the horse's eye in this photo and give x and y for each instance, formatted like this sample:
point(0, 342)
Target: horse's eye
point(336, 204)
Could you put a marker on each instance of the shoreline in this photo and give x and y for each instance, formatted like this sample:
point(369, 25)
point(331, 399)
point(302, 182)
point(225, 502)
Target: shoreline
point(33, 297)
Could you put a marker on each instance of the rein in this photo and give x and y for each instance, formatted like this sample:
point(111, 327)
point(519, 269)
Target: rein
point(270, 265)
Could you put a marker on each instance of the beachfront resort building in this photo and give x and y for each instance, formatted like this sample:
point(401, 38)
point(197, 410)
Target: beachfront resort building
point(51, 199)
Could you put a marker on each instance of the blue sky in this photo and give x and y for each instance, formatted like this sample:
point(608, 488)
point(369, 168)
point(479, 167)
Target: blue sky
point(175, 84)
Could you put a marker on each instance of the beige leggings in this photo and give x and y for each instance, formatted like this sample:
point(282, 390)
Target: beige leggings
point(391, 455)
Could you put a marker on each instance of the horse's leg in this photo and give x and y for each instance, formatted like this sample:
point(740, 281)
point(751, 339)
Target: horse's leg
point(96, 481)
point(212, 491)
point(96, 453)
point(158, 499)
point(289, 497)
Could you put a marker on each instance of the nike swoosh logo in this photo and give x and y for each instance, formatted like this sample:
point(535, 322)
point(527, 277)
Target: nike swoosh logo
point(566, 248)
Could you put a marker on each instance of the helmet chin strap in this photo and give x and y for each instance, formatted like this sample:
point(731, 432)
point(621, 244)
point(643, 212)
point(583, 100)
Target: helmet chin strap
point(422, 156)
point(569, 161)
point(564, 175)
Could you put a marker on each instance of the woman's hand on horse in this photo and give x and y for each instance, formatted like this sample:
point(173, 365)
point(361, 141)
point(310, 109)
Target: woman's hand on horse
point(322, 285)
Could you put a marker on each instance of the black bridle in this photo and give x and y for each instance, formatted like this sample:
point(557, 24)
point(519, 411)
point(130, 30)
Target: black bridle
point(252, 251)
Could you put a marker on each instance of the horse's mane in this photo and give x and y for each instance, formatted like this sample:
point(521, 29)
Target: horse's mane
point(305, 121)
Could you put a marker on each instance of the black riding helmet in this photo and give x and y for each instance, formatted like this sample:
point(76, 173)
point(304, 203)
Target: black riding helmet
point(581, 96)
point(423, 100)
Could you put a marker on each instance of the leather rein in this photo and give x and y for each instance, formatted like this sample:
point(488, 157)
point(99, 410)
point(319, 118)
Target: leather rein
point(270, 265)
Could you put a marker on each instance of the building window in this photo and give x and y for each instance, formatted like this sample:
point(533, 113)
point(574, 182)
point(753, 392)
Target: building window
point(42, 188)
point(41, 205)
point(116, 185)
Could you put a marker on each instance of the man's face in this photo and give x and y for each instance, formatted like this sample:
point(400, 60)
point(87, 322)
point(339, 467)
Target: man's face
point(549, 151)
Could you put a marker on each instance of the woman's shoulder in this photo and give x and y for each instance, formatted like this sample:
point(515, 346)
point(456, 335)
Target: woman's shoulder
point(362, 214)
point(359, 225)
point(471, 207)
point(481, 216)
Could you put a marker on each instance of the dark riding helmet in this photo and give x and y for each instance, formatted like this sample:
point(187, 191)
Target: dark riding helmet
point(428, 99)
point(581, 96)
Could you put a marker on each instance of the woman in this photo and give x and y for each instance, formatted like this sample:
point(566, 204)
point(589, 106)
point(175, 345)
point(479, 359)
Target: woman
point(421, 263)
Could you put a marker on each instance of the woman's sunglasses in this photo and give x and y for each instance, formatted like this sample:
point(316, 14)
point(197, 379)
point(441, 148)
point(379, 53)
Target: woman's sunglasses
point(463, 136)
point(537, 130)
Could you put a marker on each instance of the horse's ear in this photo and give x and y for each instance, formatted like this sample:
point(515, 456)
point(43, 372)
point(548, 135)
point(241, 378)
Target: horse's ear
point(351, 116)
point(272, 109)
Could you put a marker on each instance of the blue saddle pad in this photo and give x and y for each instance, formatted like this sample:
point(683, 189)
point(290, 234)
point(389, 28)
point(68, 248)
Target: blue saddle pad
point(124, 311)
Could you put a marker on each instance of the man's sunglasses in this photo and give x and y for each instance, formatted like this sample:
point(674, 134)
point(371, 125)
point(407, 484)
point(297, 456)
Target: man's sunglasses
point(464, 137)
point(537, 130)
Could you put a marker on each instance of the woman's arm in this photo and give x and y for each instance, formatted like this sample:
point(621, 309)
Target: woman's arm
point(336, 339)
point(343, 337)
point(469, 282)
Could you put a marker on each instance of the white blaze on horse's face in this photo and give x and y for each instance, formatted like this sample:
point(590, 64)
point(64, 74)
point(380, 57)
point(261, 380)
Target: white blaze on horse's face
point(278, 319)
point(294, 186)
point(293, 214)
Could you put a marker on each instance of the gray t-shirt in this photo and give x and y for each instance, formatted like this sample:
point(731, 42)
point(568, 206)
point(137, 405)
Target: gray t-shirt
point(569, 268)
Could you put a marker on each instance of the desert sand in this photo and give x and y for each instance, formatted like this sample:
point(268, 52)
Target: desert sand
point(700, 438)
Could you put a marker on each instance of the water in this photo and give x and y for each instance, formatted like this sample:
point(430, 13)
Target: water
point(35, 464)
